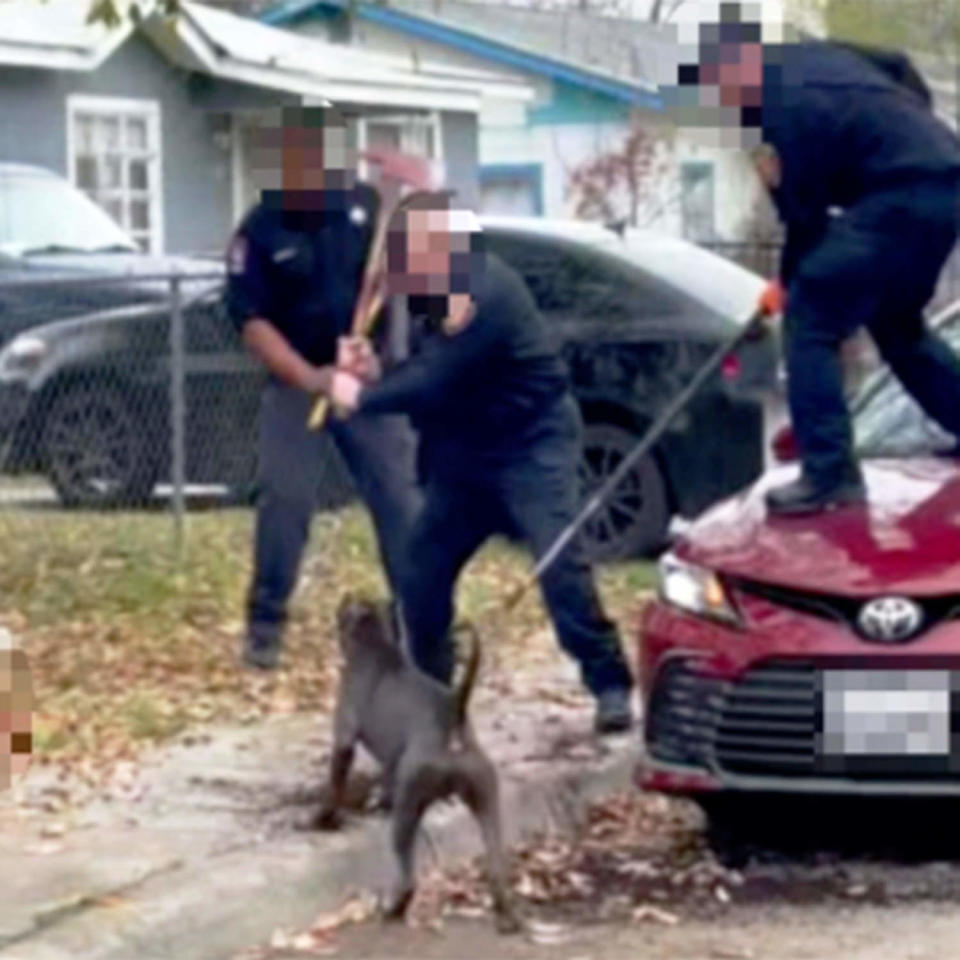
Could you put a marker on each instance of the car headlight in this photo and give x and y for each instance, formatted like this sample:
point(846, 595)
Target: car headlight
point(695, 590)
point(22, 355)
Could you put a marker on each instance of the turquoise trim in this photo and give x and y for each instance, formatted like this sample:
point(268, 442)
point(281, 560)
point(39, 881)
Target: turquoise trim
point(486, 47)
point(572, 104)
point(532, 173)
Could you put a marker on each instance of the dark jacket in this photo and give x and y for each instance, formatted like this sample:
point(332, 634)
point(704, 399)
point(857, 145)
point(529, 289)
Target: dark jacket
point(475, 394)
point(844, 129)
point(302, 271)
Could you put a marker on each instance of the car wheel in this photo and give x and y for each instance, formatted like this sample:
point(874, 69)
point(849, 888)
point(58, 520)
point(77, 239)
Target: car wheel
point(95, 449)
point(635, 519)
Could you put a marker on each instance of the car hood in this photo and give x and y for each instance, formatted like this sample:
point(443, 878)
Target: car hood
point(114, 264)
point(903, 540)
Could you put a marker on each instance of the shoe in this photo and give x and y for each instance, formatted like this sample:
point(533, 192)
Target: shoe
point(261, 648)
point(614, 713)
point(803, 497)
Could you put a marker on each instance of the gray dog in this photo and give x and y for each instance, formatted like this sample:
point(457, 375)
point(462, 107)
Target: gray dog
point(417, 728)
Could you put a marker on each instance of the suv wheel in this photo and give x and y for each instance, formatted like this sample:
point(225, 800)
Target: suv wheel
point(95, 450)
point(634, 521)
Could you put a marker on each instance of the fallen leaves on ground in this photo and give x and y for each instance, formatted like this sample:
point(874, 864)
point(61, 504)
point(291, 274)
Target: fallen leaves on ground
point(129, 649)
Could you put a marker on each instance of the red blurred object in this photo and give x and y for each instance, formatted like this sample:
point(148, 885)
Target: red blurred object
point(773, 300)
point(404, 168)
point(784, 444)
point(731, 367)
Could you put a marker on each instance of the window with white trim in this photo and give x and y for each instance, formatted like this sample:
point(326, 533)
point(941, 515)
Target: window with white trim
point(114, 154)
point(416, 134)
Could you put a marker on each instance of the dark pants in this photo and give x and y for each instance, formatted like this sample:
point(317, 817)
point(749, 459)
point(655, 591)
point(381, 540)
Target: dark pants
point(380, 453)
point(877, 267)
point(533, 495)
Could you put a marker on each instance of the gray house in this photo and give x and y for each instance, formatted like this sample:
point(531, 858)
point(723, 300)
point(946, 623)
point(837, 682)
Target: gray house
point(153, 119)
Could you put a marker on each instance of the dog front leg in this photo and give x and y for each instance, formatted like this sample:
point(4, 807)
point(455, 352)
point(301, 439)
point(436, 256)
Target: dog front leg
point(341, 760)
point(410, 803)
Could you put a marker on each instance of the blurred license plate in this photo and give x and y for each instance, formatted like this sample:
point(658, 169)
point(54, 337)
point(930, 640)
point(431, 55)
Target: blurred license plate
point(886, 713)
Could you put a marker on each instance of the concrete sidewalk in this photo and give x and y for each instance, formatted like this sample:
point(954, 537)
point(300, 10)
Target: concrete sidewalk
point(202, 849)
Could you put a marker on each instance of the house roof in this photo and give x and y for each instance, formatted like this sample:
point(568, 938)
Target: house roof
point(525, 50)
point(54, 35)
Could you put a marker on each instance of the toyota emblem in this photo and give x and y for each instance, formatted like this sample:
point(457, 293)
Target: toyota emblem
point(890, 619)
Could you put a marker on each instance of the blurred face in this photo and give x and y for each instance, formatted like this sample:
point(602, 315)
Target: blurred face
point(16, 706)
point(736, 70)
point(305, 153)
point(429, 244)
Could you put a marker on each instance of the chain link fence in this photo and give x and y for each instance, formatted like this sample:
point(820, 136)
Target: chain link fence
point(126, 393)
point(119, 393)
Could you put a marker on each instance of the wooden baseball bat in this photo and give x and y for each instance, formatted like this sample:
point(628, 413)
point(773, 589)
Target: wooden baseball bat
point(370, 300)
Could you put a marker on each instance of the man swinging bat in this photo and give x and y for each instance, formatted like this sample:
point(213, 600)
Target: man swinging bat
point(499, 436)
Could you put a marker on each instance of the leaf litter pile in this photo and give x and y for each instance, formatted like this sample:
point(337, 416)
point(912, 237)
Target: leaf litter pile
point(129, 647)
point(636, 858)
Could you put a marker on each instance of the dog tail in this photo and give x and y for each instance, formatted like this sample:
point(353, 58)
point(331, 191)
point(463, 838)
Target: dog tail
point(465, 690)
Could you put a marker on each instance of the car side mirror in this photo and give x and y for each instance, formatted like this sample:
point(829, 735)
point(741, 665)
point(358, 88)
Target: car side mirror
point(784, 446)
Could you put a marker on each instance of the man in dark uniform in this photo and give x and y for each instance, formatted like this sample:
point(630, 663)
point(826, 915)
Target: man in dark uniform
point(295, 268)
point(866, 180)
point(499, 437)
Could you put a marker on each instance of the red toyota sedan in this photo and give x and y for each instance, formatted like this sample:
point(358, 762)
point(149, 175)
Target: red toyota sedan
point(817, 655)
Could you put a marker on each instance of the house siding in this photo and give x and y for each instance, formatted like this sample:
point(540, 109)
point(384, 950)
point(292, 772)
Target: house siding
point(196, 165)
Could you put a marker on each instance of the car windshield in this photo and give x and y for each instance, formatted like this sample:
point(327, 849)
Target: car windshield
point(41, 213)
point(888, 422)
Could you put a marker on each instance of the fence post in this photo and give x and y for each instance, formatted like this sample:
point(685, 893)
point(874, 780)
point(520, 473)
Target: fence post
point(177, 412)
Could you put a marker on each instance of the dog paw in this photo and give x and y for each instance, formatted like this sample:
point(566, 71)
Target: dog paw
point(508, 923)
point(395, 909)
point(328, 820)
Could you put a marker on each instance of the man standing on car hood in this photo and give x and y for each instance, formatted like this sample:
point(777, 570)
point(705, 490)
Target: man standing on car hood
point(294, 272)
point(867, 182)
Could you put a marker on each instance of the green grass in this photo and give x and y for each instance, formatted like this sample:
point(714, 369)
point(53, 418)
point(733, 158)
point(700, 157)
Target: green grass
point(128, 646)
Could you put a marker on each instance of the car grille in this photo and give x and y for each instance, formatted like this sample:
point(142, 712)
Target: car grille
point(768, 721)
point(846, 610)
point(682, 714)
point(764, 723)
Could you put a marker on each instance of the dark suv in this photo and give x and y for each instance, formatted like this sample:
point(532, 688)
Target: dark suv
point(85, 400)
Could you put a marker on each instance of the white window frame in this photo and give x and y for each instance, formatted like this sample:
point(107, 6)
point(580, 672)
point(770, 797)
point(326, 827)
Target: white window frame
point(407, 123)
point(710, 168)
point(121, 107)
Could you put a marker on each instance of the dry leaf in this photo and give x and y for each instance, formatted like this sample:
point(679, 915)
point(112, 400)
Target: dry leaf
point(45, 849)
point(654, 915)
point(548, 934)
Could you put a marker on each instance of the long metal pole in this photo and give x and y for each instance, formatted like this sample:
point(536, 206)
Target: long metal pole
point(655, 432)
point(177, 413)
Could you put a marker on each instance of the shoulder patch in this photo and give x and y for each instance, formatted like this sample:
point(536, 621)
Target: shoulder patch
point(237, 254)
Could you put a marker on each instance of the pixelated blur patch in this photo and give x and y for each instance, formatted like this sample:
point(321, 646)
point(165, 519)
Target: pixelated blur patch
point(16, 710)
point(888, 721)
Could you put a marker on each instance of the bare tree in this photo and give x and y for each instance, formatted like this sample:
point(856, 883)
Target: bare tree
point(663, 10)
point(626, 183)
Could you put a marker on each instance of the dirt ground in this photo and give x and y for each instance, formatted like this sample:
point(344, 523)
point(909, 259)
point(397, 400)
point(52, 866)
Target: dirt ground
point(867, 879)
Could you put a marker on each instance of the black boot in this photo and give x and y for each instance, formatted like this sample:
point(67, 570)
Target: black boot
point(804, 497)
point(261, 646)
point(614, 713)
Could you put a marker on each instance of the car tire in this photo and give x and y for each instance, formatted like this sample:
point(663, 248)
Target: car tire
point(634, 522)
point(96, 450)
